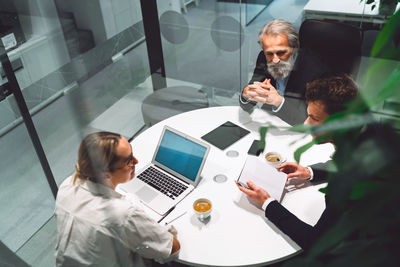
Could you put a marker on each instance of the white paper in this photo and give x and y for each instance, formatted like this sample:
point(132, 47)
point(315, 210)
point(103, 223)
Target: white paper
point(262, 174)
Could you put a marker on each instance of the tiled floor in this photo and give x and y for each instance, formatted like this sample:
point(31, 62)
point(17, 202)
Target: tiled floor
point(39, 250)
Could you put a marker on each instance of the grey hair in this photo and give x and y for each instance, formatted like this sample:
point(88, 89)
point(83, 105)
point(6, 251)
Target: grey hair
point(280, 26)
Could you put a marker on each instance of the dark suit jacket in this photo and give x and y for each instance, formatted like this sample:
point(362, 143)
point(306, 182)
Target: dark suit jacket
point(307, 68)
point(304, 234)
point(300, 232)
point(320, 171)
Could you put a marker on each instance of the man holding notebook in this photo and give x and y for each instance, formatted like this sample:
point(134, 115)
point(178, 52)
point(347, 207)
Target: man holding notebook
point(324, 98)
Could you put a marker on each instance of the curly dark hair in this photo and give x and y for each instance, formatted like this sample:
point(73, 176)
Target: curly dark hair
point(334, 92)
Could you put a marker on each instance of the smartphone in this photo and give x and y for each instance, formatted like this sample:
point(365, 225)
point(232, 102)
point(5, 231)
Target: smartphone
point(254, 149)
point(243, 185)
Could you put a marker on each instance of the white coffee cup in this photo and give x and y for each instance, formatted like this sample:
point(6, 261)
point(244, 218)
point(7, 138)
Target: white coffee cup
point(202, 208)
point(274, 158)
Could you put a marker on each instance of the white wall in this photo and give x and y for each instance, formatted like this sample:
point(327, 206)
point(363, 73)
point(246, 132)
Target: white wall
point(119, 15)
point(105, 18)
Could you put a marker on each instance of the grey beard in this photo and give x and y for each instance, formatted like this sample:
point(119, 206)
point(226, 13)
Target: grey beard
point(281, 69)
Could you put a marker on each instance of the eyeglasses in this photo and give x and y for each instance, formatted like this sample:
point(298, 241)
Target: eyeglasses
point(129, 162)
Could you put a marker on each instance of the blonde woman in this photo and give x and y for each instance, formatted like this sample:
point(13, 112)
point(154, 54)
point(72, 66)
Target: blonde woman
point(97, 226)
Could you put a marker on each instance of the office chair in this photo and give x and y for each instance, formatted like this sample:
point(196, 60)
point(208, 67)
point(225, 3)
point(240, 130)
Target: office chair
point(338, 44)
point(170, 101)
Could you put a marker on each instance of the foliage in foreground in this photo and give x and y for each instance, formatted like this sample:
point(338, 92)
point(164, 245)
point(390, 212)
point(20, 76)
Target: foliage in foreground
point(366, 188)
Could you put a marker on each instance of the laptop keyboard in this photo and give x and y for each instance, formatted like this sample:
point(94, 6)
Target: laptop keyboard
point(162, 182)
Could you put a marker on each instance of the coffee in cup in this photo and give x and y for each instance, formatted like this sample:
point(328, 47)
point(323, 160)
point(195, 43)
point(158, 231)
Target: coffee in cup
point(202, 207)
point(274, 158)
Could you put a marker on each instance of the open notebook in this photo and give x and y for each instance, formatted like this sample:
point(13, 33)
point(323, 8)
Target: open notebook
point(262, 174)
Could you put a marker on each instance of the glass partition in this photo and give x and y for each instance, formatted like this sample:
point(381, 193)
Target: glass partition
point(254, 8)
point(27, 201)
point(201, 43)
point(80, 66)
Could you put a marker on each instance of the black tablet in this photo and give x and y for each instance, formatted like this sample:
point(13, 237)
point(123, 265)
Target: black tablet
point(225, 135)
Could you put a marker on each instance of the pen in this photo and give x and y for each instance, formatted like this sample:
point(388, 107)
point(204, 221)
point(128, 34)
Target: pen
point(175, 218)
point(166, 214)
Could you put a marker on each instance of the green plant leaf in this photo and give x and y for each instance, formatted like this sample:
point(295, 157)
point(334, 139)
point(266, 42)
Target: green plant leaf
point(374, 93)
point(263, 132)
point(323, 190)
point(386, 34)
point(302, 149)
point(330, 126)
point(338, 122)
point(391, 86)
point(301, 128)
point(362, 189)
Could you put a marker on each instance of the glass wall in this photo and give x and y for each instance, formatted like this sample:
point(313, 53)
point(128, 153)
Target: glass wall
point(83, 66)
point(78, 73)
point(201, 43)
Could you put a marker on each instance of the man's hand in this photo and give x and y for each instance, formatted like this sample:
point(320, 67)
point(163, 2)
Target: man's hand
point(255, 193)
point(263, 92)
point(292, 169)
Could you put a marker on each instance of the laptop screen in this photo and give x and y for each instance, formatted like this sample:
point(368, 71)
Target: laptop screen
point(180, 154)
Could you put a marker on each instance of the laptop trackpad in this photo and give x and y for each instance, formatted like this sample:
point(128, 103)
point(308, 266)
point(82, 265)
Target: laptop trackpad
point(146, 194)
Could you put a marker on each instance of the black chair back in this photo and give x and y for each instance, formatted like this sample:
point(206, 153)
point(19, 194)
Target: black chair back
point(338, 44)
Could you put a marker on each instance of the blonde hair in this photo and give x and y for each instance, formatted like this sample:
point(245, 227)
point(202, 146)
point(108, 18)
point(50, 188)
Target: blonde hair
point(280, 26)
point(97, 154)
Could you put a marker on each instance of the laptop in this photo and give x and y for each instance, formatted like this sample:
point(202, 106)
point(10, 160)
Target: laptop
point(173, 172)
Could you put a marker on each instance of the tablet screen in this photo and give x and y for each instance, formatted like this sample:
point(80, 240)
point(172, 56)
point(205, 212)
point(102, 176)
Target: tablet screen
point(225, 135)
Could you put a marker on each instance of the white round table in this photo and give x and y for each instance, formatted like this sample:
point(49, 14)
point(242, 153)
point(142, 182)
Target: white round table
point(237, 234)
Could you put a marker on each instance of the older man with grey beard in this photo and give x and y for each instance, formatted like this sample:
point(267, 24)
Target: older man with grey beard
point(281, 73)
